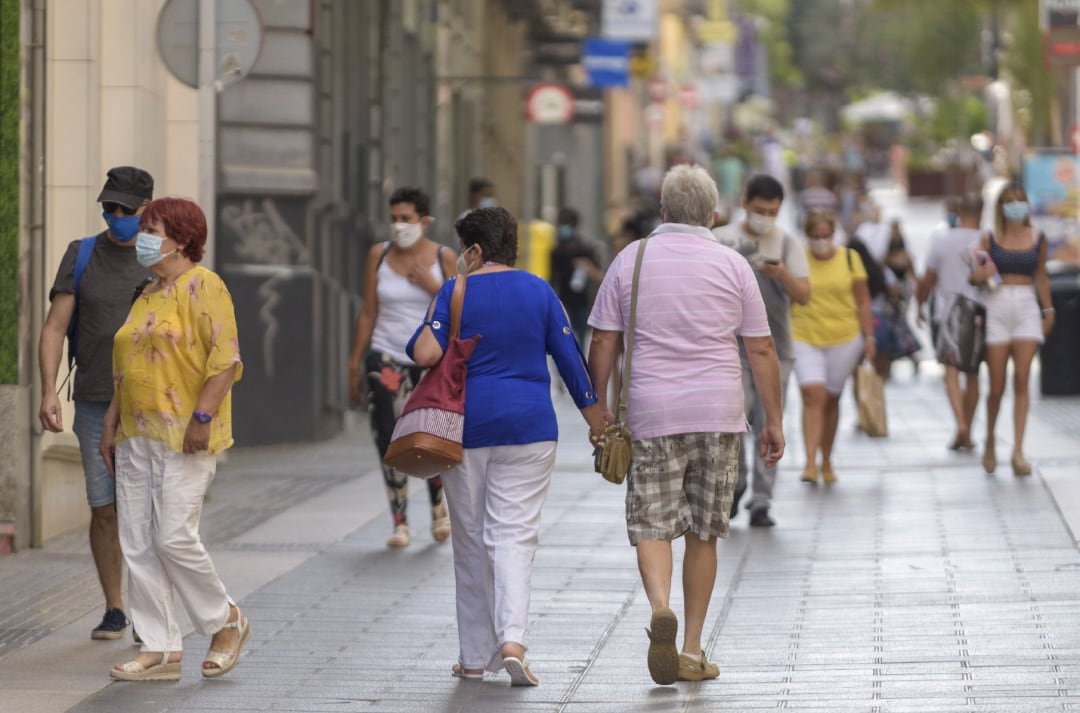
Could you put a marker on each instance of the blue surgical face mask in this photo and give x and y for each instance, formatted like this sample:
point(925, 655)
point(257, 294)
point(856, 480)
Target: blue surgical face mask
point(952, 219)
point(1016, 211)
point(566, 232)
point(148, 249)
point(122, 227)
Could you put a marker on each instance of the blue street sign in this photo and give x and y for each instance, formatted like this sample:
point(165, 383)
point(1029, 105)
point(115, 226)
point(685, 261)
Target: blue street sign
point(607, 62)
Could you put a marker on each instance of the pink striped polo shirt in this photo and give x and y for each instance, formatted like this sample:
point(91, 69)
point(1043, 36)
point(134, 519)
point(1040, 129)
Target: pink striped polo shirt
point(695, 298)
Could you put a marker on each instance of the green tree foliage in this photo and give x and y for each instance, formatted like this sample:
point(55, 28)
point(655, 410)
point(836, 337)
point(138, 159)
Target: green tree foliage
point(9, 191)
point(774, 36)
point(919, 46)
point(1024, 62)
point(820, 35)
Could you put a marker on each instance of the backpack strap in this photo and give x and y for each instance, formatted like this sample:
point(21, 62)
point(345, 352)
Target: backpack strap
point(82, 260)
point(847, 252)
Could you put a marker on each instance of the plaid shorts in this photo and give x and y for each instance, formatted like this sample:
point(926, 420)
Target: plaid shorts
point(681, 483)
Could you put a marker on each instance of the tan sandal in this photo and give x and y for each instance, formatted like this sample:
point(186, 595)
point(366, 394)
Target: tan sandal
point(1020, 465)
point(135, 671)
point(226, 661)
point(663, 655)
point(459, 671)
point(520, 674)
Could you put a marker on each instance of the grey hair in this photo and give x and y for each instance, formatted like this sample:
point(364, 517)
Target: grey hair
point(689, 196)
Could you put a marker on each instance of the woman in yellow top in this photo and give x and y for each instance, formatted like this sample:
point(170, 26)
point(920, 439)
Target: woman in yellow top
point(831, 332)
point(175, 360)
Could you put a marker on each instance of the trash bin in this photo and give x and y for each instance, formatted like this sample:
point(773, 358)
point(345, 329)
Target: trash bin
point(1060, 354)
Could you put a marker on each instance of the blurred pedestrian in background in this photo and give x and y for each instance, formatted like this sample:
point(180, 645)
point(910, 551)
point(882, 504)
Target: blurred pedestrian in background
point(481, 195)
point(780, 266)
point(730, 174)
point(90, 298)
point(832, 333)
point(498, 490)
point(175, 361)
point(574, 270)
point(894, 337)
point(685, 404)
point(1019, 313)
point(948, 267)
point(401, 277)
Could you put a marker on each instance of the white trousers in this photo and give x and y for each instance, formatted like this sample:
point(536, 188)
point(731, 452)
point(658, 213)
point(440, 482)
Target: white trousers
point(159, 499)
point(495, 496)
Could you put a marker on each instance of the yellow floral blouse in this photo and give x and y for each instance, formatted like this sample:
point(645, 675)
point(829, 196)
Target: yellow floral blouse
point(172, 342)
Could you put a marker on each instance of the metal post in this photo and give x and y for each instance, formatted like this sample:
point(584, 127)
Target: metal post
point(208, 122)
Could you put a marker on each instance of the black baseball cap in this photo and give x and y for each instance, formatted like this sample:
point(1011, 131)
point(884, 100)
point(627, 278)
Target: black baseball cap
point(128, 186)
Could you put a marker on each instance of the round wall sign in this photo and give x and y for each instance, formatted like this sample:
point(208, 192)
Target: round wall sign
point(549, 103)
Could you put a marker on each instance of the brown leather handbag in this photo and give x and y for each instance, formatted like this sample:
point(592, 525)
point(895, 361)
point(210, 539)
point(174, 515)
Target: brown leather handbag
point(427, 436)
point(612, 456)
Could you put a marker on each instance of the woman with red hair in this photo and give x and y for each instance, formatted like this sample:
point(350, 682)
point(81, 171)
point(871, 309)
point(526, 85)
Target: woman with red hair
point(175, 360)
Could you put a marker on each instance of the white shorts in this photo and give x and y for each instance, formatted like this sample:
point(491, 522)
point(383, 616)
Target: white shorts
point(830, 365)
point(1013, 315)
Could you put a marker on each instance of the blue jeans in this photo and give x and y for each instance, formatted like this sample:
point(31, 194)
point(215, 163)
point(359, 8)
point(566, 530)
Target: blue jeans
point(100, 486)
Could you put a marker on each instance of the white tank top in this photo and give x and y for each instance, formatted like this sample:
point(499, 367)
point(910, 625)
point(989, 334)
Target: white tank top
point(402, 307)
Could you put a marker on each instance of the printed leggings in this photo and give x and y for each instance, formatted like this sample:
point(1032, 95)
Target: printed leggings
point(389, 385)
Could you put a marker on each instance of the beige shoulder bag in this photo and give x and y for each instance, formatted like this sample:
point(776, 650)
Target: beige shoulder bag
point(612, 457)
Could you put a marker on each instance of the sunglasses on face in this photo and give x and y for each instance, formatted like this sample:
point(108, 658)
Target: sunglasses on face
point(111, 208)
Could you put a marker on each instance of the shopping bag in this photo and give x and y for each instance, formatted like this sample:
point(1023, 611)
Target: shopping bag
point(961, 337)
point(870, 390)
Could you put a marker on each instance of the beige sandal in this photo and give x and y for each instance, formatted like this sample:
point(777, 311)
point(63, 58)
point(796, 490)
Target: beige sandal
point(135, 671)
point(226, 662)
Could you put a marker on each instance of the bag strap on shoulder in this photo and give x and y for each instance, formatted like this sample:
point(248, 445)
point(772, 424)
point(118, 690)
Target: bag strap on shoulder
point(456, 302)
point(82, 260)
point(624, 393)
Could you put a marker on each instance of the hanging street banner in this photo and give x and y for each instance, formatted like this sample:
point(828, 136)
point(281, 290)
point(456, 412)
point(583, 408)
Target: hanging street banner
point(606, 62)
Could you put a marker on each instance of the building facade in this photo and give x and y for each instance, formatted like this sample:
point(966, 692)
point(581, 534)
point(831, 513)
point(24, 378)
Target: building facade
point(346, 101)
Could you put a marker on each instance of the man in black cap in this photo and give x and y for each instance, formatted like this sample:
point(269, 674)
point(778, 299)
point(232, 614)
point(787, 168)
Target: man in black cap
point(90, 299)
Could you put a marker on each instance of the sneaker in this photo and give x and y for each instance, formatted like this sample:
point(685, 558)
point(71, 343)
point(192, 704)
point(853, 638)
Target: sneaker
point(440, 523)
point(112, 625)
point(691, 669)
point(760, 518)
point(399, 538)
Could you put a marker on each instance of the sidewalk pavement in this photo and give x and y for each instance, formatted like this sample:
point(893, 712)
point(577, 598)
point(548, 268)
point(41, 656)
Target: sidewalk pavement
point(916, 583)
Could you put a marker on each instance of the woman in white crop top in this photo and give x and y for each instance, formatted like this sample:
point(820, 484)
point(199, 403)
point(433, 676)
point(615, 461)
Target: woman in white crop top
point(401, 278)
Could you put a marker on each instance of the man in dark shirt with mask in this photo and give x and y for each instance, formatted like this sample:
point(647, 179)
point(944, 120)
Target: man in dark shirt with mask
point(100, 303)
point(573, 270)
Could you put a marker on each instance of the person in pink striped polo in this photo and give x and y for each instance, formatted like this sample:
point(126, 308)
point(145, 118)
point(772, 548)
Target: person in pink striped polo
point(696, 298)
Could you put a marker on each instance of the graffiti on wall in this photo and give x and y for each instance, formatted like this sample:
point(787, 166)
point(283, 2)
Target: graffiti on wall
point(262, 236)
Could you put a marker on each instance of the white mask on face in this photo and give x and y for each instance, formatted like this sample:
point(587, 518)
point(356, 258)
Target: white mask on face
point(405, 235)
point(820, 247)
point(760, 224)
point(462, 263)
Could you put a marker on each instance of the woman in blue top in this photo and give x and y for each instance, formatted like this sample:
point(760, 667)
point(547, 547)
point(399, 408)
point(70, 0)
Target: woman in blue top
point(496, 493)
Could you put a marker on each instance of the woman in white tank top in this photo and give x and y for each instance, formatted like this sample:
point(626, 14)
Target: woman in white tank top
point(402, 276)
